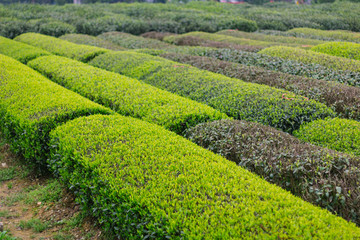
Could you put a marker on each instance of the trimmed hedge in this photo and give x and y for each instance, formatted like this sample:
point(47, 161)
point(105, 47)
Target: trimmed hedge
point(315, 71)
point(338, 134)
point(269, 38)
point(61, 47)
point(219, 38)
point(308, 57)
point(50, 27)
point(130, 41)
point(318, 175)
point(20, 51)
point(345, 100)
point(196, 41)
point(31, 106)
point(327, 35)
point(235, 98)
point(156, 35)
point(124, 95)
point(92, 41)
point(142, 181)
point(340, 49)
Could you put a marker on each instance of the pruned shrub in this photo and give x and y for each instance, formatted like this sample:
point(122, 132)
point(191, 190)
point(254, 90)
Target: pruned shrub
point(235, 98)
point(31, 106)
point(318, 175)
point(345, 100)
point(141, 180)
point(125, 95)
point(337, 133)
point(340, 49)
point(63, 48)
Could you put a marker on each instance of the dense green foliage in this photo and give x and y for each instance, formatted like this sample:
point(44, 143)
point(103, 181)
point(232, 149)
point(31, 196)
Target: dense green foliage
point(61, 47)
point(308, 57)
point(20, 51)
point(284, 16)
point(142, 181)
point(326, 35)
point(92, 41)
point(345, 100)
point(125, 95)
point(220, 38)
point(288, 41)
point(338, 134)
point(31, 106)
point(197, 41)
point(340, 49)
point(50, 27)
point(95, 19)
point(236, 98)
point(132, 42)
point(315, 71)
point(305, 170)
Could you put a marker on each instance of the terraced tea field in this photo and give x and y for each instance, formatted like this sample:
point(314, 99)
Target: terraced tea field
point(228, 132)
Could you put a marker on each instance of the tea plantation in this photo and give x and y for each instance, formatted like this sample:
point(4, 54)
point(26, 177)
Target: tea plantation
point(202, 120)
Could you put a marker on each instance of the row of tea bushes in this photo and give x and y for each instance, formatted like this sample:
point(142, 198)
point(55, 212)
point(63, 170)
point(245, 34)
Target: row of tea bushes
point(20, 51)
point(219, 38)
point(338, 134)
point(142, 181)
point(125, 95)
point(271, 38)
point(132, 42)
point(340, 49)
point(253, 102)
point(318, 175)
point(345, 100)
point(61, 47)
point(327, 35)
point(314, 71)
point(284, 16)
point(197, 41)
point(96, 19)
point(238, 99)
point(308, 57)
point(92, 41)
point(31, 106)
point(12, 27)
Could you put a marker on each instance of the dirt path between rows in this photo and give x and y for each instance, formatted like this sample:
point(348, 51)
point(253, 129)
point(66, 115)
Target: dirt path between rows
point(38, 208)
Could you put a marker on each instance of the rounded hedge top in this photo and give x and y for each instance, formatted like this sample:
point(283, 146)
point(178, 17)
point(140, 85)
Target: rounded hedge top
point(338, 134)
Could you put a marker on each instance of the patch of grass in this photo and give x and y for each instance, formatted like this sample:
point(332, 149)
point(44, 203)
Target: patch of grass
point(7, 173)
point(51, 192)
point(5, 236)
point(35, 224)
point(17, 197)
point(4, 214)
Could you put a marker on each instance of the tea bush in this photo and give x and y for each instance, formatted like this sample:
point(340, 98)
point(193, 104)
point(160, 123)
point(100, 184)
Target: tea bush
point(130, 41)
point(31, 106)
point(338, 134)
point(61, 47)
point(20, 51)
point(309, 57)
point(235, 98)
point(288, 41)
point(345, 100)
point(340, 49)
point(125, 95)
point(142, 181)
point(92, 41)
point(318, 175)
point(219, 38)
